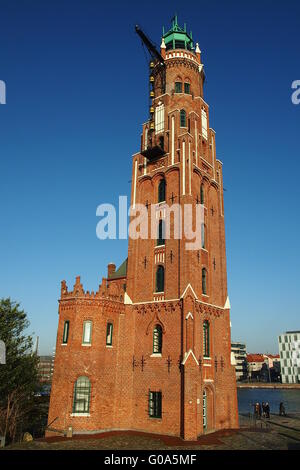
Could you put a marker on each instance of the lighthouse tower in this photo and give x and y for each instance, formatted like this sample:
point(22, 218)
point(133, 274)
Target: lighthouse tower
point(150, 350)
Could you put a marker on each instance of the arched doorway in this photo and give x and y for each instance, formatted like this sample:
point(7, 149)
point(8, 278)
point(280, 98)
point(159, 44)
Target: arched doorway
point(208, 419)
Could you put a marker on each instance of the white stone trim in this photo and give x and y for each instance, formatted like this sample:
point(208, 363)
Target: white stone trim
point(183, 168)
point(127, 299)
point(186, 356)
point(190, 170)
point(189, 315)
point(227, 303)
point(173, 141)
point(211, 305)
point(189, 285)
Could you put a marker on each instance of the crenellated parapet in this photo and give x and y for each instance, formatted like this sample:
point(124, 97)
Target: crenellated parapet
point(107, 291)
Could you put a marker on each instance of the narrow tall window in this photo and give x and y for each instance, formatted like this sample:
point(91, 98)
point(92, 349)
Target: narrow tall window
point(155, 404)
point(161, 233)
point(204, 281)
point(82, 395)
point(206, 338)
point(182, 118)
point(159, 119)
point(160, 279)
point(66, 332)
point(203, 235)
point(187, 88)
point(178, 87)
point(87, 332)
point(202, 194)
point(157, 339)
point(162, 190)
point(109, 334)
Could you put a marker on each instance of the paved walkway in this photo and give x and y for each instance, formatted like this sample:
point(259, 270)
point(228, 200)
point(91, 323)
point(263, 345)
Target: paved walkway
point(277, 433)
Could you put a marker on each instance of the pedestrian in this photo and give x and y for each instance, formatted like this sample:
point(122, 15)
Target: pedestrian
point(267, 408)
point(259, 410)
point(263, 405)
point(281, 409)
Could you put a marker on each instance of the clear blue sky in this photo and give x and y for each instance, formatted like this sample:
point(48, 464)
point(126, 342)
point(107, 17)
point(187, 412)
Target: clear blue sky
point(77, 87)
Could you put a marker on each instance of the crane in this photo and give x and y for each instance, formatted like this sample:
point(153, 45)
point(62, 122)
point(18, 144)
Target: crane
point(157, 62)
point(149, 44)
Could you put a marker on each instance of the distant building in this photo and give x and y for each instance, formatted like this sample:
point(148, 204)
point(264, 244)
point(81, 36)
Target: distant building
point(255, 363)
point(289, 350)
point(264, 367)
point(238, 350)
point(45, 368)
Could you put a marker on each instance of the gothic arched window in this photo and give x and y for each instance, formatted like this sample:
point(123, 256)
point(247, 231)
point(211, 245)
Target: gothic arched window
point(160, 279)
point(203, 241)
point(182, 118)
point(187, 88)
point(161, 233)
point(157, 339)
point(178, 86)
point(162, 190)
point(202, 194)
point(204, 281)
point(206, 338)
point(82, 395)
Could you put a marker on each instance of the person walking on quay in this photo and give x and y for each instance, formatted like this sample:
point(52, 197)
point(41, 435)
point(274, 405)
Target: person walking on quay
point(281, 409)
point(259, 410)
point(267, 409)
point(263, 405)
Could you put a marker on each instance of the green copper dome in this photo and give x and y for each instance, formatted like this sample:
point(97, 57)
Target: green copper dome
point(178, 38)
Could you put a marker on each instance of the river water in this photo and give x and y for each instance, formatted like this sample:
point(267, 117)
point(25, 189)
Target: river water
point(248, 396)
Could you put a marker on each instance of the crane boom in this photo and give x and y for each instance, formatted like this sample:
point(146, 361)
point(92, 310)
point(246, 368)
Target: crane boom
point(150, 46)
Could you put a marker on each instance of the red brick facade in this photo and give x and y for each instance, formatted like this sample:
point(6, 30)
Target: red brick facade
point(122, 374)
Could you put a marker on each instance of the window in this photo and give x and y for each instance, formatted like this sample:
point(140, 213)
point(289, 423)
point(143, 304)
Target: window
point(203, 235)
point(204, 281)
point(161, 233)
point(87, 332)
point(187, 88)
point(154, 404)
point(179, 44)
point(206, 338)
point(162, 191)
point(159, 119)
point(160, 279)
point(178, 87)
point(182, 118)
point(109, 333)
point(202, 194)
point(66, 332)
point(82, 394)
point(204, 123)
point(157, 339)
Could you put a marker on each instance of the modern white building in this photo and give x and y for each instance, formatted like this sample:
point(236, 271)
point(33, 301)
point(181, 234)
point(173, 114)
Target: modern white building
point(238, 350)
point(289, 350)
